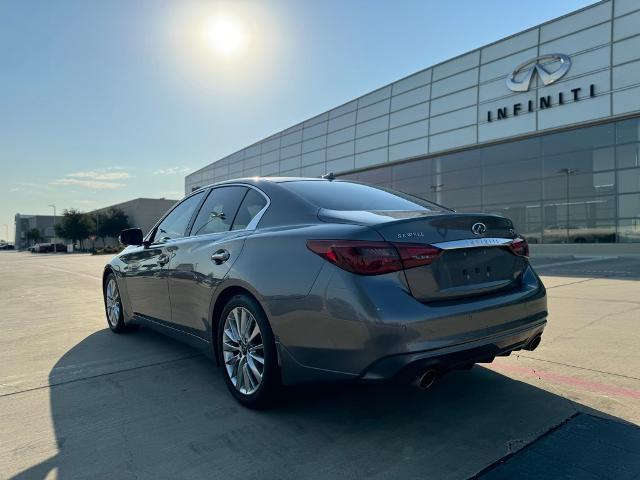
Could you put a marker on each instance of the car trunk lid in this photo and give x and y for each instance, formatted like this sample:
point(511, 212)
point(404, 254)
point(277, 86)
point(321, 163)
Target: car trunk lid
point(475, 257)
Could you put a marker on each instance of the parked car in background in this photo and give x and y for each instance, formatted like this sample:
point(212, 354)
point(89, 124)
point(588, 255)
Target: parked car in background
point(291, 280)
point(6, 246)
point(60, 248)
point(48, 248)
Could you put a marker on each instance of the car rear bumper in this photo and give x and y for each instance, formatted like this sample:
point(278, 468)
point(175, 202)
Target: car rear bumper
point(408, 366)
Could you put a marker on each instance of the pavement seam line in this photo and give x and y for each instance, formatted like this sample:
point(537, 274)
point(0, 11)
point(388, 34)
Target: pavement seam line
point(577, 367)
point(588, 324)
point(605, 300)
point(81, 274)
point(575, 262)
point(572, 283)
point(90, 377)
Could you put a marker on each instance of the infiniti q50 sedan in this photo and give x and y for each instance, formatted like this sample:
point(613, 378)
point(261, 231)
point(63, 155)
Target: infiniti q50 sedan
point(291, 280)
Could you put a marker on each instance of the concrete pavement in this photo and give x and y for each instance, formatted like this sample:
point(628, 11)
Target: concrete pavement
point(77, 401)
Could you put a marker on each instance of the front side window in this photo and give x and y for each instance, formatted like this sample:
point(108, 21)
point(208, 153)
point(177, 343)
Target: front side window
point(218, 210)
point(175, 224)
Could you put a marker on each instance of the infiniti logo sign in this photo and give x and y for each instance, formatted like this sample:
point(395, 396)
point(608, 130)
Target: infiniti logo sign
point(478, 228)
point(550, 68)
point(520, 79)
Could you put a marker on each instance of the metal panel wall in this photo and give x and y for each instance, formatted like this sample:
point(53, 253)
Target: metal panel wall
point(447, 106)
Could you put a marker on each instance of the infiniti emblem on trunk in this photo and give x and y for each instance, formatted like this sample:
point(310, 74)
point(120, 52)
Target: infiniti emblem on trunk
point(478, 228)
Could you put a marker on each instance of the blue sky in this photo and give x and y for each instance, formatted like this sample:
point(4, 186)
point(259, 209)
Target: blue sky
point(102, 102)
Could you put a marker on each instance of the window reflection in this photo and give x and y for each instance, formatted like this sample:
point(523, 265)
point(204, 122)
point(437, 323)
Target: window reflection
point(628, 131)
point(580, 139)
point(572, 186)
point(628, 156)
point(629, 230)
point(629, 180)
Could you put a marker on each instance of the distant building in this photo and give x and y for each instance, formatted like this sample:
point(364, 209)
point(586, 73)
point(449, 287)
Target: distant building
point(142, 212)
point(542, 126)
point(25, 223)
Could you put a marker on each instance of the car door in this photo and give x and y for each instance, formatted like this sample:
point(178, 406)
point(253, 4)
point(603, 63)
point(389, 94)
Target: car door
point(201, 261)
point(146, 267)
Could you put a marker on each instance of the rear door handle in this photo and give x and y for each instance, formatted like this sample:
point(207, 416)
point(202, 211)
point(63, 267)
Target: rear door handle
point(220, 256)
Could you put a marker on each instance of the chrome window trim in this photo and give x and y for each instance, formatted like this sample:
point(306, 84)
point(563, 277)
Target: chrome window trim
point(474, 242)
point(152, 231)
point(253, 224)
point(254, 221)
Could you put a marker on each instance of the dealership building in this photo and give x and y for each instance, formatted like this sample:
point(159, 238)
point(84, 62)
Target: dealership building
point(542, 126)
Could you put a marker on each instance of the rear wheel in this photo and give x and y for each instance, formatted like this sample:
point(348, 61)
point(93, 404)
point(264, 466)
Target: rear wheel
point(113, 305)
point(247, 352)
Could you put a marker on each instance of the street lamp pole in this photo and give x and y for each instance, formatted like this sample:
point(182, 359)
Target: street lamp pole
point(567, 172)
point(54, 228)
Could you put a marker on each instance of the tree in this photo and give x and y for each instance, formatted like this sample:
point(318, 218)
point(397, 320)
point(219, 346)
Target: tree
point(75, 226)
point(112, 223)
point(33, 235)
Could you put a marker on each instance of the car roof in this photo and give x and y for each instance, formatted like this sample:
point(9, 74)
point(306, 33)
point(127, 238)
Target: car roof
point(261, 180)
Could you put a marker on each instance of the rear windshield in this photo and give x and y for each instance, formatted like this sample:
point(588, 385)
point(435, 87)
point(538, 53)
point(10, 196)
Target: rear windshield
point(356, 196)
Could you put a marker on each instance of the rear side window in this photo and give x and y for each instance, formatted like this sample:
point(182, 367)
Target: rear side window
point(251, 205)
point(218, 210)
point(356, 196)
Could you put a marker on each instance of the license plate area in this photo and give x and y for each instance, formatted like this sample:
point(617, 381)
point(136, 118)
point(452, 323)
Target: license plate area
point(473, 266)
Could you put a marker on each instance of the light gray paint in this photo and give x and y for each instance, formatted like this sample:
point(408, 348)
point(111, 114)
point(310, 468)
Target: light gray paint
point(445, 106)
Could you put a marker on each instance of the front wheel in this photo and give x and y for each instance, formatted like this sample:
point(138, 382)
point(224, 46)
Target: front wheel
point(113, 305)
point(247, 352)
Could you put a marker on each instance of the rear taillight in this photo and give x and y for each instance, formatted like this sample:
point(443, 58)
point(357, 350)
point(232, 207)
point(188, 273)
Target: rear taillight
point(373, 258)
point(520, 247)
point(363, 258)
point(415, 255)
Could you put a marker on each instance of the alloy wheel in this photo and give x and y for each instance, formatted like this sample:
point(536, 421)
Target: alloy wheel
point(113, 303)
point(243, 350)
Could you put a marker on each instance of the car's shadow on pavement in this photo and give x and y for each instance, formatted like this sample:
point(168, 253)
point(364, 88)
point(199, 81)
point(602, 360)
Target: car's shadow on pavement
point(175, 419)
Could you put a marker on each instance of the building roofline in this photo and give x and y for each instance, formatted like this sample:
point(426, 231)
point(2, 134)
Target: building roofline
point(430, 67)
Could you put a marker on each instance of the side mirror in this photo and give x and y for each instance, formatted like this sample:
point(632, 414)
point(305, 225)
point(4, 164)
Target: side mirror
point(131, 236)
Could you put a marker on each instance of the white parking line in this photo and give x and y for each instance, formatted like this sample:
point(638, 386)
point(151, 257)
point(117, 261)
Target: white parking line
point(575, 262)
point(93, 277)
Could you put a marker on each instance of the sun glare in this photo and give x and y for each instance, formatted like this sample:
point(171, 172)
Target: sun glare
point(227, 36)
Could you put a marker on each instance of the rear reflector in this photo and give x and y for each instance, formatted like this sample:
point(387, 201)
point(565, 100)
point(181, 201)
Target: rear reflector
point(519, 247)
point(373, 258)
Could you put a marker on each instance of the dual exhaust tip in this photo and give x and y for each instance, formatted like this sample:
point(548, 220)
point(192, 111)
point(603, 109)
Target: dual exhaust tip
point(533, 344)
point(426, 379)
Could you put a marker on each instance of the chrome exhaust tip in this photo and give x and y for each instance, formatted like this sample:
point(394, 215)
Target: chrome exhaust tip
point(427, 379)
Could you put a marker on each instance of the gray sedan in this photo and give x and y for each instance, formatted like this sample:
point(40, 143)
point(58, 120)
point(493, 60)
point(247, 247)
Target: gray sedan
point(291, 280)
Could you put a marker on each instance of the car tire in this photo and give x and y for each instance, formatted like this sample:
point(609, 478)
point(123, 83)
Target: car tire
point(113, 305)
point(252, 384)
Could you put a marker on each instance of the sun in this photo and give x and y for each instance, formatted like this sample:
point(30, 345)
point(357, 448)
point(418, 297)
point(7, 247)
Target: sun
point(226, 35)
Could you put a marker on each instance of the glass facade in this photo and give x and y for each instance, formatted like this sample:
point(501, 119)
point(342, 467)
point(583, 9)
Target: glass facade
point(576, 186)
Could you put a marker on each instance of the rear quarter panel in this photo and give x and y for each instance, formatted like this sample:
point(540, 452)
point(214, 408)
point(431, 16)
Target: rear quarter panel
point(277, 263)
